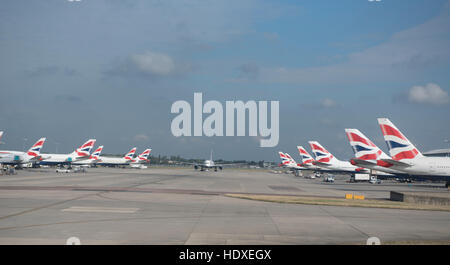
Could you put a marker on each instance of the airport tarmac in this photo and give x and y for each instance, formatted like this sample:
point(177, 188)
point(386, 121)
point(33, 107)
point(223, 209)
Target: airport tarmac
point(184, 206)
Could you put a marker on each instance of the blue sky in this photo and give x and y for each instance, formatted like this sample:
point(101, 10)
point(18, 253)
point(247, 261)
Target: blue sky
point(69, 71)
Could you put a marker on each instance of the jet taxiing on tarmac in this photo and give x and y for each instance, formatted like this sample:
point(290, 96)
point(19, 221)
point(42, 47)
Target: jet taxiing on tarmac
point(210, 164)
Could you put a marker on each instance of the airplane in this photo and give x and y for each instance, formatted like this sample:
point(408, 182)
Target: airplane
point(288, 162)
point(81, 153)
point(20, 158)
point(209, 164)
point(308, 160)
point(407, 158)
point(326, 160)
point(367, 154)
point(94, 157)
point(141, 159)
point(116, 161)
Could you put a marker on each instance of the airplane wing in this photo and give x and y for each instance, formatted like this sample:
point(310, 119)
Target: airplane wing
point(82, 158)
point(190, 163)
point(231, 164)
point(36, 158)
point(45, 158)
point(396, 163)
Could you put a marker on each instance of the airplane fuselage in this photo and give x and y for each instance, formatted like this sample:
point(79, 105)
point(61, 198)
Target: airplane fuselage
point(14, 157)
point(426, 166)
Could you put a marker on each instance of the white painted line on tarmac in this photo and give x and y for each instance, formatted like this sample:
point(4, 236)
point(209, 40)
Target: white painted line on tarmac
point(100, 209)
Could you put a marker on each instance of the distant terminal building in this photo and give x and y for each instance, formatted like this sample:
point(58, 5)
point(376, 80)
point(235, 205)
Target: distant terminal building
point(438, 153)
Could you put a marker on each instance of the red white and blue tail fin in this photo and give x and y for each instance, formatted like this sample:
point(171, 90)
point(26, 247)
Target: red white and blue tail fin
point(144, 156)
point(35, 150)
point(399, 146)
point(287, 160)
point(85, 149)
point(363, 147)
point(284, 159)
point(96, 154)
point(321, 154)
point(129, 156)
point(307, 159)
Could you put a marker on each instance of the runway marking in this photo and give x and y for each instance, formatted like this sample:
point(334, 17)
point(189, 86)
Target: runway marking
point(283, 188)
point(100, 209)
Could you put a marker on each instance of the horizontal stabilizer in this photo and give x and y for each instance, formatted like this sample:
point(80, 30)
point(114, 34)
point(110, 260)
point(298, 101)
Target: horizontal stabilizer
point(361, 162)
point(396, 163)
point(321, 164)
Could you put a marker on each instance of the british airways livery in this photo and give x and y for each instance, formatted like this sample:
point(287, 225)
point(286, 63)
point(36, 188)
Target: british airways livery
point(407, 158)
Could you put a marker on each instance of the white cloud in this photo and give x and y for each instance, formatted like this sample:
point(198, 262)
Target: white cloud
point(428, 94)
point(150, 64)
point(328, 103)
point(153, 63)
point(141, 138)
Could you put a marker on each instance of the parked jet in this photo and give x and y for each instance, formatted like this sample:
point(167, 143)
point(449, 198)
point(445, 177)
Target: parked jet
point(142, 158)
point(288, 162)
point(81, 153)
point(94, 157)
point(20, 158)
point(367, 154)
point(308, 160)
point(325, 159)
point(116, 161)
point(407, 158)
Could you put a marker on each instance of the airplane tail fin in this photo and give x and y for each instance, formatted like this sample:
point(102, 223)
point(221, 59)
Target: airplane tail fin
point(1, 134)
point(144, 156)
point(363, 147)
point(322, 155)
point(85, 149)
point(35, 150)
point(130, 154)
point(399, 146)
point(306, 157)
point(284, 158)
point(96, 154)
